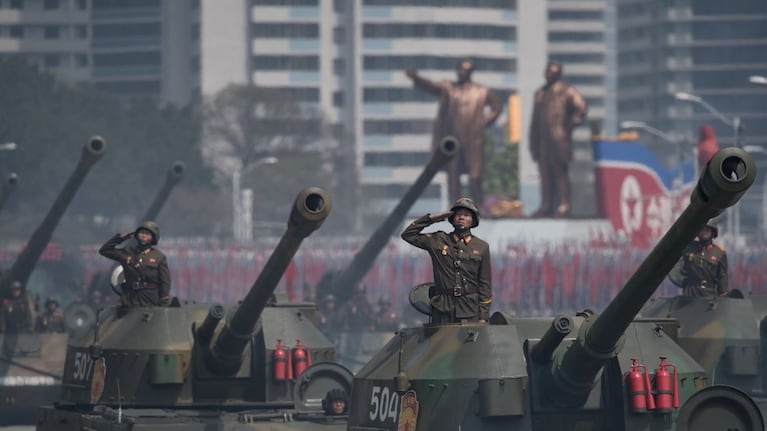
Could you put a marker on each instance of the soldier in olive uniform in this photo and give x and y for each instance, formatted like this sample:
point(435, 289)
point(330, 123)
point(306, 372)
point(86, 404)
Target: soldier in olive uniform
point(16, 315)
point(147, 278)
point(702, 270)
point(52, 319)
point(460, 264)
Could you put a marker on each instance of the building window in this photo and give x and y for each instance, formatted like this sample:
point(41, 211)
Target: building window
point(17, 31)
point(17, 4)
point(195, 63)
point(338, 99)
point(338, 66)
point(438, 30)
point(51, 60)
point(82, 31)
point(423, 62)
point(339, 35)
point(282, 62)
point(339, 5)
point(82, 4)
point(51, 4)
point(196, 31)
point(81, 60)
point(51, 32)
point(286, 30)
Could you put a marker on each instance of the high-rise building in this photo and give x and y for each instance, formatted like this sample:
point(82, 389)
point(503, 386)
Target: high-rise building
point(686, 63)
point(129, 48)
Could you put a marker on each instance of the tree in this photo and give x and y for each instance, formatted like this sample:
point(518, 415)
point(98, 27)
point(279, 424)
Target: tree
point(51, 120)
point(244, 123)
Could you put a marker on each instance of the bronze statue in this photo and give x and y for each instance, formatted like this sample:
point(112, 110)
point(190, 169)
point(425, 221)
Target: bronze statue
point(558, 109)
point(462, 114)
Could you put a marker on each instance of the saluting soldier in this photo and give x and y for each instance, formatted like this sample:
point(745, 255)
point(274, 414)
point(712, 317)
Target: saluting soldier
point(147, 278)
point(460, 264)
point(702, 270)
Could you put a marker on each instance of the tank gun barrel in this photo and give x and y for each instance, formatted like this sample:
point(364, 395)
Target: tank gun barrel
point(8, 187)
point(92, 151)
point(724, 180)
point(175, 174)
point(310, 209)
point(363, 260)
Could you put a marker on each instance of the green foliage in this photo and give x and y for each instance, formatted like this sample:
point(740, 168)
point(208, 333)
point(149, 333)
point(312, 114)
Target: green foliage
point(502, 167)
point(51, 121)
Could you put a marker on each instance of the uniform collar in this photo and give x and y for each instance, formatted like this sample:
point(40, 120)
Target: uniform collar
point(466, 239)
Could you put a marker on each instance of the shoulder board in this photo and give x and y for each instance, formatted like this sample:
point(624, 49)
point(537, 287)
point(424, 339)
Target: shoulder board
point(719, 247)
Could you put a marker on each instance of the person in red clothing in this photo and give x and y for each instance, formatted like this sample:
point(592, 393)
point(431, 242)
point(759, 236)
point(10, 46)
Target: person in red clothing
point(707, 145)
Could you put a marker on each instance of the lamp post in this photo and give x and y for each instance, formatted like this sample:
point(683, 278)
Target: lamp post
point(733, 223)
point(242, 200)
point(649, 129)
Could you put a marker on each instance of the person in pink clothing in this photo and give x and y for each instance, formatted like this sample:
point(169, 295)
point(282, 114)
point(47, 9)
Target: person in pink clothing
point(707, 145)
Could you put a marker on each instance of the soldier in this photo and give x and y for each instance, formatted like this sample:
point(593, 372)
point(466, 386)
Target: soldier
point(147, 278)
point(462, 115)
point(386, 320)
point(702, 270)
point(356, 315)
point(460, 264)
point(558, 109)
point(16, 311)
point(52, 319)
point(326, 314)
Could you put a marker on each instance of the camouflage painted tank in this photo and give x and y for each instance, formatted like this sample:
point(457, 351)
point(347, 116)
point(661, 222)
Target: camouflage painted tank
point(725, 334)
point(355, 348)
point(583, 372)
point(260, 365)
point(31, 363)
point(8, 187)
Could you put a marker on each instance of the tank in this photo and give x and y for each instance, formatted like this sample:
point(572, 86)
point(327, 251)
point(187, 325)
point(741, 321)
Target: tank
point(606, 371)
point(259, 365)
point(726, 335)
point(354, 349)
point(32, 363)
point(8, 187)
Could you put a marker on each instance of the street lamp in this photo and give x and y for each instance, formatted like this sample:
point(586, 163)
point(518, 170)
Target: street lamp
point(733, 223)
point(242, 214)
point(649, 129)
point(758, 80)
point(8, 146)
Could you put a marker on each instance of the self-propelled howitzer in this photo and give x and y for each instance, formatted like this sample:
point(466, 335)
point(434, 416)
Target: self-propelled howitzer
point(264, 367)
point(532, 374)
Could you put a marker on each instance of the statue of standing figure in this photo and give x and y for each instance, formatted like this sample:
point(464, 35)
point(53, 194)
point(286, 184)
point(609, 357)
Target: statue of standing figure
point(462, 114)
point(558, 109)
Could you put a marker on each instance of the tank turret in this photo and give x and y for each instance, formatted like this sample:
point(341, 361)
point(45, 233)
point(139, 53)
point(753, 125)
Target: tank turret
point(8, 187)
point(26, 260)
point(258, 362)
point(618, 372)
point(175, 174)
point(341, 284)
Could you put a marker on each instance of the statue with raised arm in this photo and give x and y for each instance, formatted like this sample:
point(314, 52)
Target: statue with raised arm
point(462, 114)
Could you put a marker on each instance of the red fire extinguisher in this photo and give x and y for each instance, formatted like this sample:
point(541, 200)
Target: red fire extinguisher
point(641, 399)
point(301, 358)
point(666, 396)
point(280, 362)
